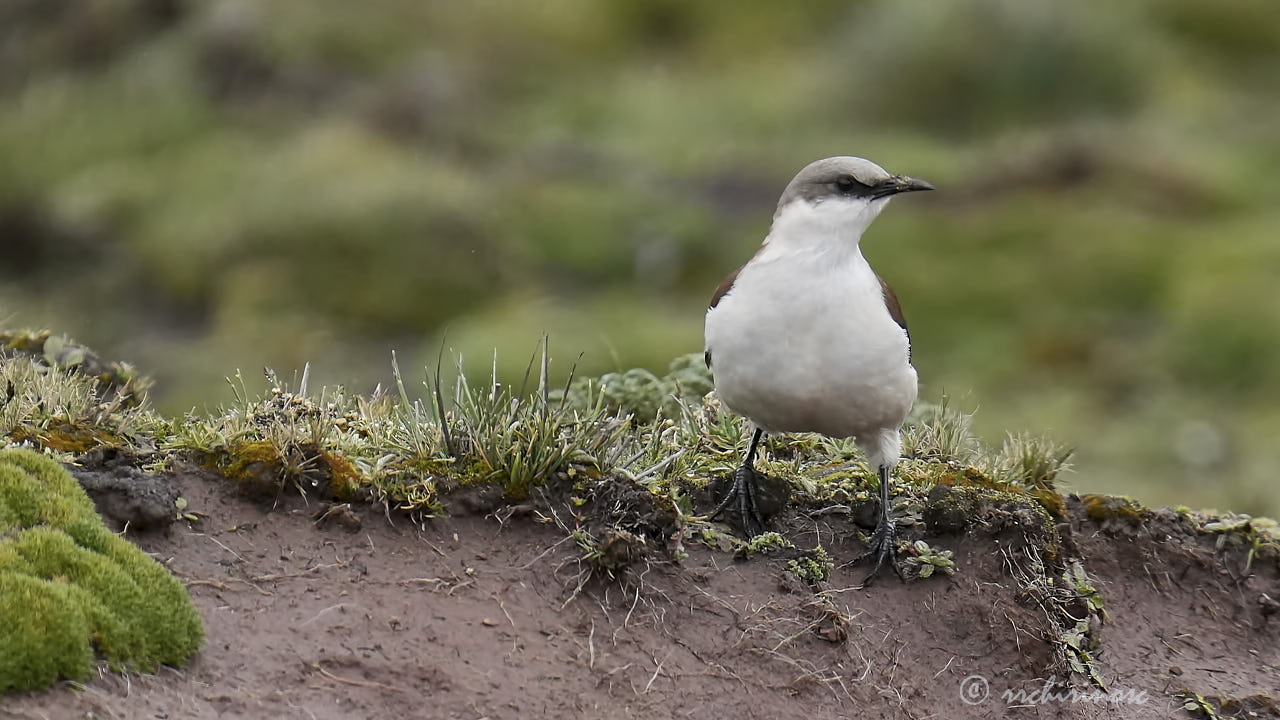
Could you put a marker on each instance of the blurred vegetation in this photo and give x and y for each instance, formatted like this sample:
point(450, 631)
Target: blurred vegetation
point(197, 187)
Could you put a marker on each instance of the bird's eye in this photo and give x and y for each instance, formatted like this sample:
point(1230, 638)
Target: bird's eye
point(846, 184)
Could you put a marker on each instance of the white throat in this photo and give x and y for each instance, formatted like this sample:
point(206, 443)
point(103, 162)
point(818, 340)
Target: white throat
point(830, 228)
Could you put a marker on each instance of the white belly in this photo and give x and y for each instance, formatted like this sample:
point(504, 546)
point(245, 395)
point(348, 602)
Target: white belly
point(801, 344)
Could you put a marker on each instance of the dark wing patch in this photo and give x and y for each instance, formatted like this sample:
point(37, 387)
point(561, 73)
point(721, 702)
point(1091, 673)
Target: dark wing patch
point(895, 309)
point(891, 303)
point(721, 291)
point(724, 288)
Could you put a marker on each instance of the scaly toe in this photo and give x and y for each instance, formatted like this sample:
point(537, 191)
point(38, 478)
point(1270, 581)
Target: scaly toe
point(885, 551)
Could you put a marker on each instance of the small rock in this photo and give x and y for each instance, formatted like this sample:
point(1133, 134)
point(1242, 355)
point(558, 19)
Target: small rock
point(1270, 606)
point(127, 497)
point(340, 514)
point(945, 511)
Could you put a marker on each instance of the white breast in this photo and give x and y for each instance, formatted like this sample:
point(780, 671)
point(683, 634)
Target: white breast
point(804, 342)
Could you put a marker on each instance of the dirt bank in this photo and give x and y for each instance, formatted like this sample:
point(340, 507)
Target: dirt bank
point(501, 616)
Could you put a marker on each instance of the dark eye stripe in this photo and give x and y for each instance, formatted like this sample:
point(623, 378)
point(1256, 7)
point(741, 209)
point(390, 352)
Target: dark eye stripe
point(849, 185)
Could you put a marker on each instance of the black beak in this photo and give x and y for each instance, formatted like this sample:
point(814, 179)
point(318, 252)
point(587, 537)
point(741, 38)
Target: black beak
point(900, 184)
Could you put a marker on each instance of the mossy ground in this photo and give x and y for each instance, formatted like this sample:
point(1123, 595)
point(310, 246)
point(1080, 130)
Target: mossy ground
point(70, 589)
point(621, 465)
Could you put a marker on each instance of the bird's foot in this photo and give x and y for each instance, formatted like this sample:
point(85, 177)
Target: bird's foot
point(884, 549)
point(742, 494)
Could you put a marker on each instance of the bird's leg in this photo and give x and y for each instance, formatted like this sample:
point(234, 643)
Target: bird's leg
point(882, 542)
point(744, 489)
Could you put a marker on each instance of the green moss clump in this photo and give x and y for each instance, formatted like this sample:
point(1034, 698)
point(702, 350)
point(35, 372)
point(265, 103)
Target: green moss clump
point(65, 436)
point(70, 587)
point(256, 468)
point(643, 394)
point(971, 476)
point(53, 622)
point(636, 391)
point(814, 567)
point(954, 509)
point(1052, 502)
point(1108, 510)
point(344, 478)
point(262, 468)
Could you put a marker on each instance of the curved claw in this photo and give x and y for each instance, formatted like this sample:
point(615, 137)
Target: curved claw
point(743, 491)
point(882, 546)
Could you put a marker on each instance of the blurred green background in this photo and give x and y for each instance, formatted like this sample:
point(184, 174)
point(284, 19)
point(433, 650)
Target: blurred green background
point(204, 186)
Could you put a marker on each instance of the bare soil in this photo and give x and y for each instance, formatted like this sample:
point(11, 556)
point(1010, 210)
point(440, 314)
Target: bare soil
point(495, 615)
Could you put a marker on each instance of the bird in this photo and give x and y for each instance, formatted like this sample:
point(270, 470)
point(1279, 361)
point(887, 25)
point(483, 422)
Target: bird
point(806, 337)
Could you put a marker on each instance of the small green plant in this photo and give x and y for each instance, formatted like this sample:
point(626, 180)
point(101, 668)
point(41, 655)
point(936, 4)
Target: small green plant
point(1198, 705)
point(1077, 580)
point(766, 543)
point(1260, 535)
point(1080, 644)
point(1228, 523)
point(1231, 530)
point(929, 560)
point(184, 512)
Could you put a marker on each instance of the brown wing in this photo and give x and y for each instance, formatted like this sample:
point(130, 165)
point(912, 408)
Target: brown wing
point(724, 288)
point(893, 306)
point(721, 291)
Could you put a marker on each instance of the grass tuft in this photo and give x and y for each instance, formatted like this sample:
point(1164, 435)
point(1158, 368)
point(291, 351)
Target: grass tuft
point(940, 432)
point(520, 441)
point(1032, 462)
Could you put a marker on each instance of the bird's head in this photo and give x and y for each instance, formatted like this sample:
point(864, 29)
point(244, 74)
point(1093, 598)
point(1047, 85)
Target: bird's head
point(843, 193)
